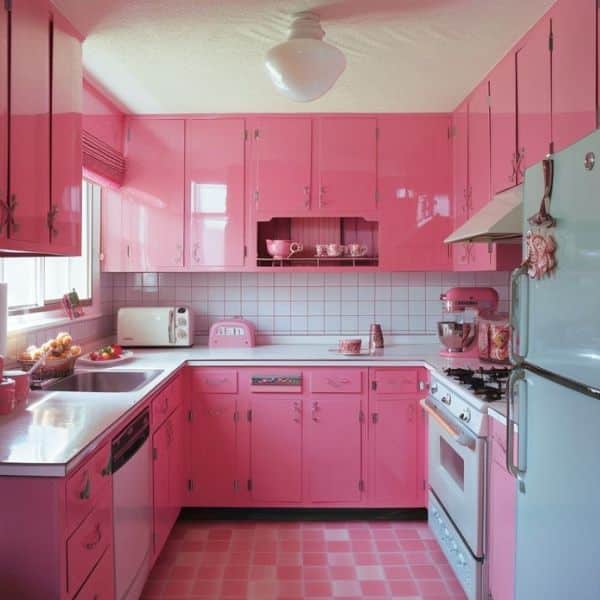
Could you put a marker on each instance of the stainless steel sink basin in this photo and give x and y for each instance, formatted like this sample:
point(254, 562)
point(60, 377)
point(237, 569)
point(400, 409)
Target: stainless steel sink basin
point(107, 382)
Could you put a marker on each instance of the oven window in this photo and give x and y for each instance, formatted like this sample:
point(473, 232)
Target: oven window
point(452, 463)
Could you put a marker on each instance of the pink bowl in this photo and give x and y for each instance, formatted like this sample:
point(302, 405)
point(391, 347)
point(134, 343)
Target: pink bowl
point(350, 346)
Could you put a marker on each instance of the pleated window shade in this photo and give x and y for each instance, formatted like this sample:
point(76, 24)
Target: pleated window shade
point(102, 159)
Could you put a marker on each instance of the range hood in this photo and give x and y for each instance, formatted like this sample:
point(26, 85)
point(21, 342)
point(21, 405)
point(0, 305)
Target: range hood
point(501, 219)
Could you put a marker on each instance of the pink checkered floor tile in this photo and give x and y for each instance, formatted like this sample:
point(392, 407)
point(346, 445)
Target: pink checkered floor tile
point(262, 560)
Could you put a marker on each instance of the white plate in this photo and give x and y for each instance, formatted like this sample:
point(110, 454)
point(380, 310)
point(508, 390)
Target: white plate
point(86, 360)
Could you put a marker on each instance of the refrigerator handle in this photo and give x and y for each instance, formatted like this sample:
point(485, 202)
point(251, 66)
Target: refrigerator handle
point(516, 334)
point(519, 469)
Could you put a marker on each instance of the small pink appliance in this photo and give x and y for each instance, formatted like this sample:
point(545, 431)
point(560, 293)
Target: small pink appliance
point(232, 333)
point(458, 329)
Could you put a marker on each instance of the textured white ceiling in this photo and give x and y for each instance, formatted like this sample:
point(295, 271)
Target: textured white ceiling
point(202, 56)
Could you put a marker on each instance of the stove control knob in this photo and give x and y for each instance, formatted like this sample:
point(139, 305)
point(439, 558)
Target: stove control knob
point(465, 415)
point(434, 388)
point(447, 399)
point(462, 561)
point(453, 546)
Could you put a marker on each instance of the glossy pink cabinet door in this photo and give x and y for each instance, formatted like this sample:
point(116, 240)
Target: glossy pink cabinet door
point(213, 450)
point(276, 449)
point(176, 432)
point(67, 75)
point(113, 244)
point(281, 165)
point(3, 114)
point(154, 152)
point(393, 436)
point(415, 201)
point(501, 522)
point(347, 165)
point(460, 176)
point(160, 452)
point(332, 443)
point(30, 125)
point(573, 71)
point(503, 110)
point(215, 192)
point(533, 96)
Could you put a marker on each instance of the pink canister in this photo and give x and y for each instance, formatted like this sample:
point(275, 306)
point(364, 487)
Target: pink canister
point(21, 379)
point(7, 396)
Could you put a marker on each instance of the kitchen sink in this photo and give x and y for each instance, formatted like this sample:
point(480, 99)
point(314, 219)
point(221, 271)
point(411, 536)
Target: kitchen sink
point(107, 382)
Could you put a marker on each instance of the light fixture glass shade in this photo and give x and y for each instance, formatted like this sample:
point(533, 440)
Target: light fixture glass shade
point(305, 67)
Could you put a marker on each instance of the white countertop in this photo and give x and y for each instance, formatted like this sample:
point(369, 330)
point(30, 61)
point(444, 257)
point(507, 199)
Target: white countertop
point(56, 430)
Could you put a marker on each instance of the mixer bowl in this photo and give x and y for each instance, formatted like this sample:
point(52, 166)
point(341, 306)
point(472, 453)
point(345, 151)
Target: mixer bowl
point(456, 336)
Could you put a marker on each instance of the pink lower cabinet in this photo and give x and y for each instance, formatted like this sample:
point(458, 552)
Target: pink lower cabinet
point(276, 448)
point(501, 523)
point(333, 436)
point(168, 461)
point(395, 475)
point(100, 584)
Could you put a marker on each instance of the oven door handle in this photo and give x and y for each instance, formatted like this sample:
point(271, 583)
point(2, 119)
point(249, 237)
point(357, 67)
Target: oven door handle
point(461, 437)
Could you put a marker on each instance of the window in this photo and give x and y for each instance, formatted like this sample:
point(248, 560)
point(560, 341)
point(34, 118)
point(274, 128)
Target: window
point(39, 283)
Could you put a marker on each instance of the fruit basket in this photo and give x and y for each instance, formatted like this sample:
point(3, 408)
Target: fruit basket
point(58, 357)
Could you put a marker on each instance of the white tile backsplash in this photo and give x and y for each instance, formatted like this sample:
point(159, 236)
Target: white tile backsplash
point(305, 303)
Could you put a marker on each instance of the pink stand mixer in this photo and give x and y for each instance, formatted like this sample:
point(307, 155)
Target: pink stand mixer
point(458, 329)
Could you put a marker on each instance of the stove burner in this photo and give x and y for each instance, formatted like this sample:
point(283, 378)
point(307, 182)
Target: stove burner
point(487, 384)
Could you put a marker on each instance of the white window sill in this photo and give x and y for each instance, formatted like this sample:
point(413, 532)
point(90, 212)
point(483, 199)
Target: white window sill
point(36, 321)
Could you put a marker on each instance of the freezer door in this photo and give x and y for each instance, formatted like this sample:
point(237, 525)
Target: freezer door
point(560, 315)
point(558, 522)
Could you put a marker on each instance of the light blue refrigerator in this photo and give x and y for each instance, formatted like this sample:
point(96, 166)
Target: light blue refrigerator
point(554, 395)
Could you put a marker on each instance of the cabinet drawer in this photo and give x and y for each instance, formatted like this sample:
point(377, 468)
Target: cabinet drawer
point(218, 381)
point(395, 381)
point(100, 584)
point(90, 540)
point(166, 402)
point(336, 381)
point(85, 485)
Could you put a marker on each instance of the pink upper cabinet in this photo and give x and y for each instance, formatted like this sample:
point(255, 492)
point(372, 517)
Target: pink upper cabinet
point(415, 201)
point(503, 111)
point(153, 186)
point(479, 148)
point(573, 71)
point(113, 241)
point(346, 157)
point(65, 211)
point(215, 192)
point(460, 183)
point(29, 126)
point(3, 113)
point(281, 165)
point(533, 95)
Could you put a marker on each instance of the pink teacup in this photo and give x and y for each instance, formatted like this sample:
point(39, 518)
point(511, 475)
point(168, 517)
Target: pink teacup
point(280, 249)
point(335, 249)
point(321, 249)
point(356, 250)
point(350, 346)
point(21, 379)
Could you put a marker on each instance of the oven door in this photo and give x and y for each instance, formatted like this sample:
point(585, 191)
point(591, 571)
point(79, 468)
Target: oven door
point(457, 473)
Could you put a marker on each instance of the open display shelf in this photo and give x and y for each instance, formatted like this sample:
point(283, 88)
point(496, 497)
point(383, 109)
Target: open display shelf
point(311, 231)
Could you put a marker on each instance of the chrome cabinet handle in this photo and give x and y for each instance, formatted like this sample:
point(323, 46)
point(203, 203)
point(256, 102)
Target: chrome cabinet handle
point(520, 157)
point(322, 192)
point(375, 418)
point(179, 255)
point(195, 251)
point(515, 357)
point(50, 220)
point(297, 411)
point(307, 196)
point(215, 381)
point(97, 539)
point(519, 469)
point(84, 494)
point(11, 205)
point(107, 470)
point(315, 410)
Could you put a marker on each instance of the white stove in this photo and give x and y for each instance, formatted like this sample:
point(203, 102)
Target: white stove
point(457, 406)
